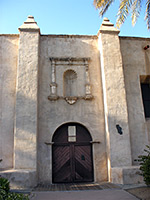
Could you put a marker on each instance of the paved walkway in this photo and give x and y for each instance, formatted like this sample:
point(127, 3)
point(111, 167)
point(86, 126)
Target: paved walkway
point(106, 194)
point(80, 191)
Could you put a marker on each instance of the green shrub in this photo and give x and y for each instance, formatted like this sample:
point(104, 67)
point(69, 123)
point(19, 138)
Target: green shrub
point(4, 184)
point(144, 161)
point(15, 196)
point(12, 196)
point(5, 194)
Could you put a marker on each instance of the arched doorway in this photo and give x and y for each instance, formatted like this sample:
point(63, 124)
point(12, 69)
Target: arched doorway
point(72, 154)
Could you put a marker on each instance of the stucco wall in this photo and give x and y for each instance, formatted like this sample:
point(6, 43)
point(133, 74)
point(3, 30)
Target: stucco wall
point(25, 148)
point(136, 62)
point(8, 66)
point(53, 114)
point(114, 94)
point(90, 113)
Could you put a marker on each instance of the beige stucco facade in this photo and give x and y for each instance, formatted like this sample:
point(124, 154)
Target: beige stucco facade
point(104, 93)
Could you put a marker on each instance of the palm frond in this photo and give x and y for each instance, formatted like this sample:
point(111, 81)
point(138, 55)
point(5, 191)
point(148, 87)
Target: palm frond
point(124, 9)
point(102, 5)
point(147, 16)
point(136, 9)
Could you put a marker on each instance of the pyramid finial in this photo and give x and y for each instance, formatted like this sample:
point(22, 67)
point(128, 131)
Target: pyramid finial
point(107, 26)
point(29, 24)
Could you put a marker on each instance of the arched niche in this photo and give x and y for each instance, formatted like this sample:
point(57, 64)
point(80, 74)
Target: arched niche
point(70, 83)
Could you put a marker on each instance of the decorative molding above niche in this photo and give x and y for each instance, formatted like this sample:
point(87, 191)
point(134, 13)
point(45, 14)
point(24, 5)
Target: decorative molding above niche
point(70, 79)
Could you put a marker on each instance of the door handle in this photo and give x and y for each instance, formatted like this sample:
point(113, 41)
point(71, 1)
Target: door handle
point(82, 157)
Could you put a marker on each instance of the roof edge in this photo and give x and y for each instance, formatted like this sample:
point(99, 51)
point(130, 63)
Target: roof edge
point(134, 37)
point(69, 36)
point(13, 35)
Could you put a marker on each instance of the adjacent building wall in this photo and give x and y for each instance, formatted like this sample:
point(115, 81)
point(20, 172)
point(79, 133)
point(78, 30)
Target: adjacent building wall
point(136, 62)
point(8, 67)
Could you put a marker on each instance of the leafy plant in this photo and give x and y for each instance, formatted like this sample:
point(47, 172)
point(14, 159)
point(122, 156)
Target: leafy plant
point(144, 161)
point(15, 196)
point(126, 7)
point(5, 193)
point(4, 184)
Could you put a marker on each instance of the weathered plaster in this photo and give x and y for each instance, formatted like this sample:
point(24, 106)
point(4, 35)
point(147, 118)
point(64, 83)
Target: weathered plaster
point(30, 114)
point(54, 114)
point(8, 67)
point(26, 123)
point(118, 146)
point(135, 63)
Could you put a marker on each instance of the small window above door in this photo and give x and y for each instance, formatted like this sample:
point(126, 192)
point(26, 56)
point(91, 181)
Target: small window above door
point(71, 133)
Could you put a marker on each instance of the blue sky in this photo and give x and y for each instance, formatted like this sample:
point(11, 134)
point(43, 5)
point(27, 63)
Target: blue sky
point(64, 17)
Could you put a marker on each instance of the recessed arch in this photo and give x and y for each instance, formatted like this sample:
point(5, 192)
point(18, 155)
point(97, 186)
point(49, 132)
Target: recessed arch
point(72, 159)
point(83, 134)
point(70, 83)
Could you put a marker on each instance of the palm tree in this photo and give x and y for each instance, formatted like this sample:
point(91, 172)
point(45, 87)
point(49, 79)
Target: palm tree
point(125, 7)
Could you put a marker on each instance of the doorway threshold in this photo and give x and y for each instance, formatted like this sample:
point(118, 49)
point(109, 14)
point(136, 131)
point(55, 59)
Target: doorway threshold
point(75, 186)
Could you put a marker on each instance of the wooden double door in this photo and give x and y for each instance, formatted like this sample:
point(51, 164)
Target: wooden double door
point(72, 154)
